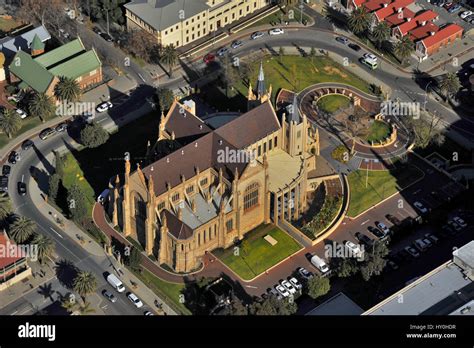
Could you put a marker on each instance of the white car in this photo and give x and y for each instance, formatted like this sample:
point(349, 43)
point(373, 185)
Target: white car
point(135, 300)
point(104, 106)
point(21, 113)
point(420, 207)
point(460, 221)
point(304, 273)
point(296, 283)
point(288, 286)
point(282, 291)
point(370, 56)
point(465, 14)
point(353, 248)
point(276, 31)
point(383, 227)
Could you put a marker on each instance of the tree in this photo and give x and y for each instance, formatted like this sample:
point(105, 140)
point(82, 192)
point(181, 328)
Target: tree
point(359, 20)
point(22, 229)
point(5, 206)
point(85, 308)
point(404, 48)
point(236, 307)
point(9, 122)
point(344, 266)
point(53, 186)
point(317, 287)
point(165, 98)
point(85, 283)
point(134, 258)
point(281, 53)
point(273, 306)
point(59, 164)
point(381, 33)
point(229, 76)
point(374, 261)
point(77, 203)
point(312, 54)
point(142, 44)
point(93, 135)
point(170, 57)
point(45, 247)
point(426, 130)
point(42, 106)
point(67, 89)
point(450, 84)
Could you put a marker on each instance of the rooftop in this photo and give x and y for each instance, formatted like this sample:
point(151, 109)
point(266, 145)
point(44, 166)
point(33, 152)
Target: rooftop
point(282, 169)
point(339, 304)
point(11, 45)
point(6, 244)
point(442, 34)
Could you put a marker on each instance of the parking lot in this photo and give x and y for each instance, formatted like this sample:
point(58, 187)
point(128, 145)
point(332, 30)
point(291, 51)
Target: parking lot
point(444, 15)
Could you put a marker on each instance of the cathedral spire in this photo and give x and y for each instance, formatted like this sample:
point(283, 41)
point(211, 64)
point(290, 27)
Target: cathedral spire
point(261, 82)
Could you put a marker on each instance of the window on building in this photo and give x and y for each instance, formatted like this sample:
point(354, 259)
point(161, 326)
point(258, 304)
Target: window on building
point(161, 206)
point(229, 225)
point(275, 142)
point(175, 197)
point(203, 182)
point(251, 196)
point(190, 189)
point(259, 150)
point(199, 239)
point(298, 135)
point(264, 147)
point(270, 144)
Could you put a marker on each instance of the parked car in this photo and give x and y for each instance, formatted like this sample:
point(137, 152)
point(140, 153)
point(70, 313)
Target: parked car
point(21, 186)
point(27, 144)
point(282, 291)
point(13, 157)
point(97, 30)
point(382, 227)
point(304, 273)
point(148, 313)
point(4, 183)
point(209, 58)
point(222, 51)
point(353, 248)
point(109, 296)
point(447, 231)
point(135, 300)
point(236, 44)
point(107, 37)
point(420, 245)
point(273, 292)
point(460, 221)
point(370, 56)
point(393, 219)
point(104, 106)
point(342, 39)
point(21, 113)
point(465, 14)
point(6, 169)
point(412, 252)
point(427, 242)
point(392, 265)
point(288, 286)
point(46, 133)
point(420, 207)
point(354, 47)
point(376, 232)
point(257, 35)
point(448, 5)
point(433, 238)
point(320, 264)
point(276, 31)
point(454, 8)
point(293, 281)
point(61, 127)
point(364, 239)
point(455, 225)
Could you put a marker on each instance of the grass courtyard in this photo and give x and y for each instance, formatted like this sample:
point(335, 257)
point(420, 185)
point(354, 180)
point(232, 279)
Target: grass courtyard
point(380, 185)
point(256, 255)
point(332, 103)
point(378, 131)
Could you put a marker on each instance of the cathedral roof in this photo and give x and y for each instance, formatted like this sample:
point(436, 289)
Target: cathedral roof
point(184, 124)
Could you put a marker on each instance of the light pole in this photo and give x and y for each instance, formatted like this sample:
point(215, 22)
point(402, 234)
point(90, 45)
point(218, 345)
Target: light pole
point(426, 95)
point(301, 10)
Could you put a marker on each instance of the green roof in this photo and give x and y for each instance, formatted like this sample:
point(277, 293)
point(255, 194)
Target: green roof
point(77, 66)
point(61, 53)
point(37, 44)
point(30, 72)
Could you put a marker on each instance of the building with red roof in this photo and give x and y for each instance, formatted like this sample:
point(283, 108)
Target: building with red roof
point(394, 20)
point(419, 33)
point(13, 264)
point(443, 37)
point(412, 22)
point(396, 6)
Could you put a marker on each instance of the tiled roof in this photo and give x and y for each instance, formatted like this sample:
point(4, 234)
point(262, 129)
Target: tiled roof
point(397, 18)
point(77, 66)
point(392, 8)
point(10, 45)
point(177, 228)
point(183, 123)
point(5, 242)
point(423, 31)
point(416, 21)
point(375, 5)
point(442, 34)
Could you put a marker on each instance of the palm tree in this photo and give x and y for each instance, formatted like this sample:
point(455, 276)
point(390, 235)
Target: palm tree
point(9, 122)
point(380, 33)
point(5, 206)
point(450, 84)
point(45, 247)
point(85, 284)
point(67, 89)
point(359, 20)
point(85, 308)
point(403, 48)
point(68, 302)
point(42, 106)
point(22, 229)
point(169, 56)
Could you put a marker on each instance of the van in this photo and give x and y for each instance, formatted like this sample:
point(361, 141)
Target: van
point(319, 263)
point(371, 63)
point(115, 282)
point(103, 196)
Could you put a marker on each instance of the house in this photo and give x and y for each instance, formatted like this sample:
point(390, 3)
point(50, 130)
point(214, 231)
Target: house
point(411, 22)
point(42, 73)
point(13, 265)
point(443, 37)
point(9, 46)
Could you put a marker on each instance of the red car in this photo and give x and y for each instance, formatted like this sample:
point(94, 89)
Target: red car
point(209, 58)
point(448, 5)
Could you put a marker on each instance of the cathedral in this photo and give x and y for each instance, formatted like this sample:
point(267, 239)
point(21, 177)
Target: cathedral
point(219, 182)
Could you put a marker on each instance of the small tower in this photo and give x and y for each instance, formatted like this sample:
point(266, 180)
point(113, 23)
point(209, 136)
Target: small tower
point(37, 46)
point(261, 94)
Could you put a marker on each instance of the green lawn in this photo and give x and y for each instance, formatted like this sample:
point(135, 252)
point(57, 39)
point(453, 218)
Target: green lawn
point(256, 255)
point(378, 131)
point(297, 73)
point(170, 292)
point(332, 103)
point(381, 184)
point(279, 17)
point(26, 124)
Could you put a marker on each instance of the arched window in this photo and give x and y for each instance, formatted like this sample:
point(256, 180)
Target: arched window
point(140, 207)
point(251, 196)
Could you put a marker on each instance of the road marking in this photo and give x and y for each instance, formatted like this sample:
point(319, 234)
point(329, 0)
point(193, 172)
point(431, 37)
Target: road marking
point(22, 177)
point(365, 222)
point(417, 191)
point(15, 312)
point(251, 286)
point(104, 307)
point(52, 229)
point(140, 76)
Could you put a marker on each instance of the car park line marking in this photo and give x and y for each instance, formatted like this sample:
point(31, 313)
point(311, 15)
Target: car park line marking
point(22, 177)
point(417, 191)
point(251, 286)
point(363, 223)
point(15, 312)
point(52, 229)
point(140, 76)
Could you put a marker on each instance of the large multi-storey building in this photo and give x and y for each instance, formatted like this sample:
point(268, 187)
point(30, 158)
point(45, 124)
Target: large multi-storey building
point(180, 22)
point(222, 182)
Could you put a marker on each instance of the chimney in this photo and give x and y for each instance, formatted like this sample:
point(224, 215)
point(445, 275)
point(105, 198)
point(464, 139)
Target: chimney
point(385, 5)
point(423, 23)
point(432, 33)
point(400, 10)
point(408, 19)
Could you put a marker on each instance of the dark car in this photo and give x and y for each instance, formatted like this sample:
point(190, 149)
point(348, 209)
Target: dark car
point(342, 40)
point(106, 37)
point(27, 144)
point(13, 157)
point(236, 44)
point(354, 47)
point(107, 294)
point(3, 183)
point(6, 169)
point(393, 219)
point(61, 127)
point(376, 232)
point(46, 133)
point(364, 239)
point(97, 30)
point(21, 188)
